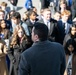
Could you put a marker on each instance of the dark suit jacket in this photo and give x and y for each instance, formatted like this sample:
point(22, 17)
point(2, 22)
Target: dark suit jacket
point(43, 58)
point(62, 30)
point(54, 31)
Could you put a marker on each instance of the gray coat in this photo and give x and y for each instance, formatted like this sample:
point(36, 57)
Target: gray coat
point(43, 58)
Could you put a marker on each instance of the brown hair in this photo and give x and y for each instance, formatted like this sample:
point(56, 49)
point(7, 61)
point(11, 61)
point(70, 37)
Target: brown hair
point(3, 4)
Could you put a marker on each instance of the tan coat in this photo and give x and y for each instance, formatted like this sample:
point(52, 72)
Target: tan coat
point(3, 52)
point(73, 64)
point(3, 66)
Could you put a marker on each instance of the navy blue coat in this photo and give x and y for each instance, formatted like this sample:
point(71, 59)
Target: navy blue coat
point(43, 58)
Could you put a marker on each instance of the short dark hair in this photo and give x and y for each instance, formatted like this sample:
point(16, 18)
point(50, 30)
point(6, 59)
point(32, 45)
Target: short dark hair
point(16, 15)
point(30, 12)
point(41, 30)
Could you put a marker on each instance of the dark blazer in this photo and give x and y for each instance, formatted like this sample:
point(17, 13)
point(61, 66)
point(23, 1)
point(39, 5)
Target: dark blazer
point(62, 30)
point(43, 58)
point(54, 31)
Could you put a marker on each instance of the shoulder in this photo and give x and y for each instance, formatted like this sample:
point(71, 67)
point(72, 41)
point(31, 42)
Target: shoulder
point(57, 44)
point(58, 47)
point(27, 21)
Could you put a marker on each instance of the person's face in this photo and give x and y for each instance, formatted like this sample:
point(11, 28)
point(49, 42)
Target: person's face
point(73, 30)
point(57, 16)
point(16, 21)
point(34, 37)
point(47, 15)
point(3, 24)
point(63, 6)
point(20, 33)
point(33, 16)
point(70, 48)
point(1, 15)
point(65, 17)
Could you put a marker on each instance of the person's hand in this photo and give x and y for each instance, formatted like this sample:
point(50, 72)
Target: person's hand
point(5, 49)
point(1, 46)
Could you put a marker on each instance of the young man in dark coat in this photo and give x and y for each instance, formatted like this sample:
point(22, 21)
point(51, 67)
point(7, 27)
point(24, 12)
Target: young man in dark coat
point(44, 57)
point(51, 24)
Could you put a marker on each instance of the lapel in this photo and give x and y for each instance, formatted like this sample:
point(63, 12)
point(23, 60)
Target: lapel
point(29, 23)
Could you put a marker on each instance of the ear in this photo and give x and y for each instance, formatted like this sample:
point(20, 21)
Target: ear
point(36, 37)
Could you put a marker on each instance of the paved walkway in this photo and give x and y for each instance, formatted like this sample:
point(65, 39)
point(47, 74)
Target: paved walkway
point(20, 5)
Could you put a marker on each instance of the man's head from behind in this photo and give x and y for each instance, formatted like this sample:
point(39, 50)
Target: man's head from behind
point(39, 32)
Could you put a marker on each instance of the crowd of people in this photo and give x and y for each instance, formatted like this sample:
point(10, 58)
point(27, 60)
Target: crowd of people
point(38, 43)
